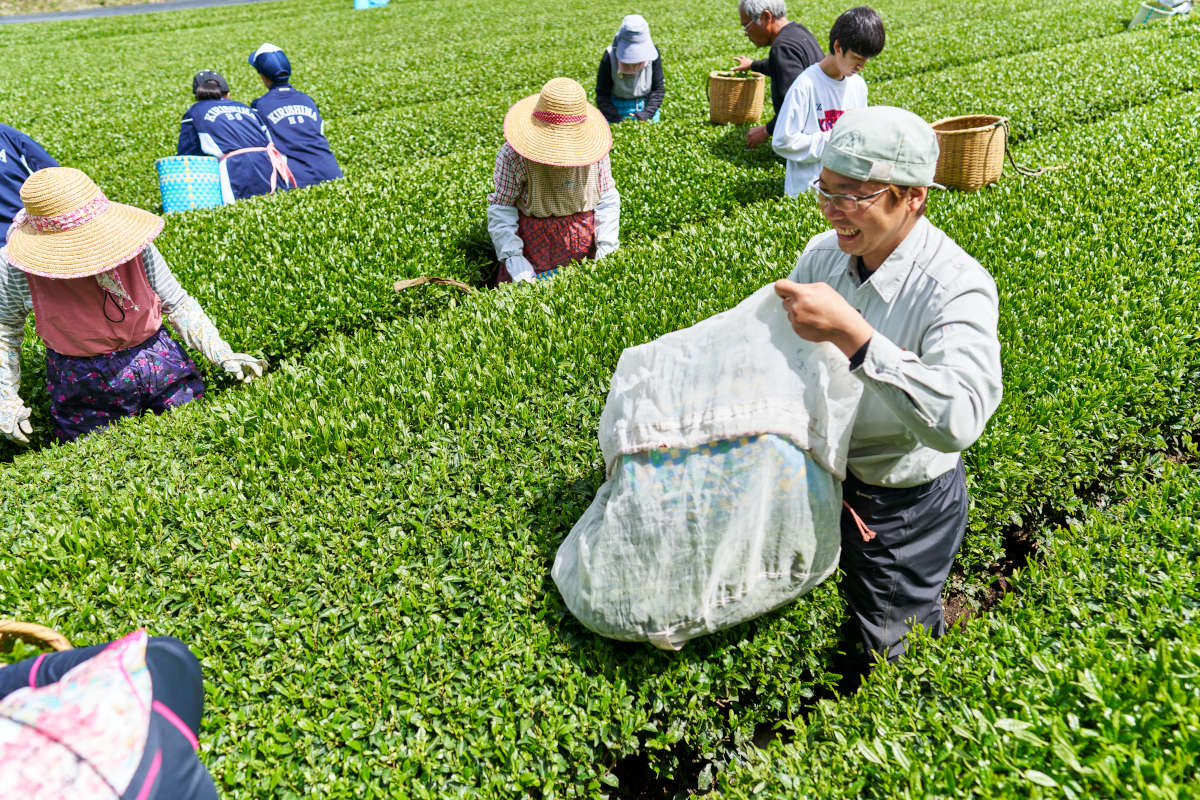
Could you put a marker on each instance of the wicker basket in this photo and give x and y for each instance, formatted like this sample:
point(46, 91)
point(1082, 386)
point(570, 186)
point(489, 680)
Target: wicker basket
point(735, 100)
point(38, 635)
point(972, 150)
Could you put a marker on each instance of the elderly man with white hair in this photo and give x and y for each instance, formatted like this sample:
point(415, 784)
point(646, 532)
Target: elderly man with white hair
point(793, 50)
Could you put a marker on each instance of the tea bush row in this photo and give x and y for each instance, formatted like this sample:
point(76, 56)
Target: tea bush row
point(386, 506)
point(383, 108)
point(1080, 683)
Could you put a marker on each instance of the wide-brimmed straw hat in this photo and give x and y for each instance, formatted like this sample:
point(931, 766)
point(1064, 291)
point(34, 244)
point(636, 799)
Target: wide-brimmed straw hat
point(558, 126)
point(69, 229)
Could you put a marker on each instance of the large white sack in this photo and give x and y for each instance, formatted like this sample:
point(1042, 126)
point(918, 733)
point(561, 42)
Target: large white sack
point(725, 445)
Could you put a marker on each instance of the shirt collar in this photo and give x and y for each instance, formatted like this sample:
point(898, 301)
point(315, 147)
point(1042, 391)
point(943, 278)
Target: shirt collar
point(886, 280)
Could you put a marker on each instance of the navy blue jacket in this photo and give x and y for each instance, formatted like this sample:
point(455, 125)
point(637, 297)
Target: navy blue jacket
point(217, 127)
point(19, 157)
point(299, 133)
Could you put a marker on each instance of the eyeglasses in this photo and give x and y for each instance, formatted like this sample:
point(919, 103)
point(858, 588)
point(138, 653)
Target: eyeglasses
point(746, 25)
point(845, 203)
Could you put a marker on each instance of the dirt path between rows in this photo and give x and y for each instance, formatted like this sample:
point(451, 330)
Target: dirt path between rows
point(16, 11)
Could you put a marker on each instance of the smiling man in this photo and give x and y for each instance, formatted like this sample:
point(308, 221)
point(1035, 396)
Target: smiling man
point(916, 316)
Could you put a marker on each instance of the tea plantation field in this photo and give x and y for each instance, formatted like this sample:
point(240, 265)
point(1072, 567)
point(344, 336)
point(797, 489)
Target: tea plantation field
point(358, 545)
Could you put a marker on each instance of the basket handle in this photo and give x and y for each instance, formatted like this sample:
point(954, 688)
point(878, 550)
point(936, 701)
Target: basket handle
point(1025, 171)
point(34, 634)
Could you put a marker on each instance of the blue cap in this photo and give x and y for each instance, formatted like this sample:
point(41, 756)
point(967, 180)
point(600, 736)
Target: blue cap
point(272, 63)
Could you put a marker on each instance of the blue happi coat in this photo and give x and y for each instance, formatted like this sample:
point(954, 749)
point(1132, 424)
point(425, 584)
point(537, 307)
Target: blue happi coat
point(217, 127)
point(299, 132)
point(20, 156)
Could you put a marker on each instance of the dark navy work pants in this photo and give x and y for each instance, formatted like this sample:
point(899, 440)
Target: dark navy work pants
point(895, 581)
point(169, 764)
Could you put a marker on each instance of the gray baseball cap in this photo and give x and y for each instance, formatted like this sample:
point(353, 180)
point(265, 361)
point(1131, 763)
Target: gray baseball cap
point(883, 143)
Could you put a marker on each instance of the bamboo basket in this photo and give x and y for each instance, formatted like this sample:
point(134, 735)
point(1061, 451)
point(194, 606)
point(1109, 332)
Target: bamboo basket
point(972, 150)
point(735, 100)
point(38, 635)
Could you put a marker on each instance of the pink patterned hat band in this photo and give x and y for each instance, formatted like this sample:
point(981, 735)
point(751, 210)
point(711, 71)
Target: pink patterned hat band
point(554, 118)
point(67, 220)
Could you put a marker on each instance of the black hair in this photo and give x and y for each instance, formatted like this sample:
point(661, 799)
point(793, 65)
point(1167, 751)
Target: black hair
point(205, 91)
point(858, 30)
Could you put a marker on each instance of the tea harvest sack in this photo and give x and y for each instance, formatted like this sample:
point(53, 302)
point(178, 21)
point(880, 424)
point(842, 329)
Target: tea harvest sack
point(725, 446)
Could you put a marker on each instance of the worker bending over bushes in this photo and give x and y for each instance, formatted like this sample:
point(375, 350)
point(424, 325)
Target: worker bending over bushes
point(793, 50)
point(629, 82)
point(917, 317)
point(293, 119)
point(554, 199)
point(233, 132)
point(98, 289)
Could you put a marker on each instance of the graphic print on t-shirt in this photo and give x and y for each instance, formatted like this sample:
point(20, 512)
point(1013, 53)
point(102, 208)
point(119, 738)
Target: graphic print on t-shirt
point(831, 116)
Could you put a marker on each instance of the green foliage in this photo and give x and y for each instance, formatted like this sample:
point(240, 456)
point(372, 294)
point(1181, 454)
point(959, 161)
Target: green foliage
point(358, 546)
point(1081, 683)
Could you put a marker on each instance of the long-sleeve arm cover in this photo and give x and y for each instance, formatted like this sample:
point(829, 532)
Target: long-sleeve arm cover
point(184, 313)
point(608, 222)
point(509, 179)
point(15, 305)
point(658, 90)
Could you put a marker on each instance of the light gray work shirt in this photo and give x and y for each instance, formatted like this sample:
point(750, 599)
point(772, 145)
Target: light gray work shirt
point(932, 369)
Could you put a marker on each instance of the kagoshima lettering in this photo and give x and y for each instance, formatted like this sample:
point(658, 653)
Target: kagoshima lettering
point(291, 111)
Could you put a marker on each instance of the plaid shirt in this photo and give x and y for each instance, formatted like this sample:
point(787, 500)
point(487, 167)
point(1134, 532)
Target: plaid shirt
point(511, 184)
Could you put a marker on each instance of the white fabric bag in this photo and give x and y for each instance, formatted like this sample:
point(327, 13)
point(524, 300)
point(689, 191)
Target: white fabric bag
point(725, 446)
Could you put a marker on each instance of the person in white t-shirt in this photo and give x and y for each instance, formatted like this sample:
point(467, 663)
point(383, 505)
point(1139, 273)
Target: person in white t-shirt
point(822, 93)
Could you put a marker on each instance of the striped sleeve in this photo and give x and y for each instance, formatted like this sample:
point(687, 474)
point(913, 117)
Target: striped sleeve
point(15, 304)
point(162, 280)
point(604, 175)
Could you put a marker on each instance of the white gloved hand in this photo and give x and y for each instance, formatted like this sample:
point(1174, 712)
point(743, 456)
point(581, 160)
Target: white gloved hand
point(243, 367)
point(14, 420)
point(519, 269)
point(604, 249)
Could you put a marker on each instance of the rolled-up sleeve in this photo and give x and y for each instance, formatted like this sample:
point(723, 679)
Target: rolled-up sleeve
point(946, 395)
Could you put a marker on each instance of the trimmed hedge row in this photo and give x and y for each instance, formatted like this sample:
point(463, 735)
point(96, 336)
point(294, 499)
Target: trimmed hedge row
point(358, 545)
point(391, 112)
point(385, 508)
point(1080, 683)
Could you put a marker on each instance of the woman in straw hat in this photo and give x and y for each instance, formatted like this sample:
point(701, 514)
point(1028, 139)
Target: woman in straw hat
point(629, 83)
point(555, 200)
point(98, 290)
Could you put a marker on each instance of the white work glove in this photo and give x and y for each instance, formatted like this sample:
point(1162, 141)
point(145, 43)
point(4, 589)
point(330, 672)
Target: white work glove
point(14, 420)
point(519, 269)
point(243, 367)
